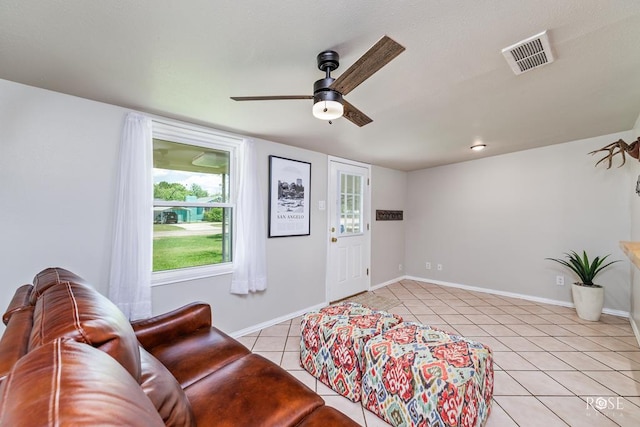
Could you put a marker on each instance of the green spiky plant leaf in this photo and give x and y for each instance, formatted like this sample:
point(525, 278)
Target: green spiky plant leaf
point(585, 270)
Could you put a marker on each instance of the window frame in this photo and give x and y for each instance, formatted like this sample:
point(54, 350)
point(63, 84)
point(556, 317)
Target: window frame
point(207, 138)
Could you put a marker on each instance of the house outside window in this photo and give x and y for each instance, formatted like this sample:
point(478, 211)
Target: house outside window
point(193, 202)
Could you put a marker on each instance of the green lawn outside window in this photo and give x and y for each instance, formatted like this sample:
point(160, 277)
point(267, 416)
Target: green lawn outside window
point(170, 253)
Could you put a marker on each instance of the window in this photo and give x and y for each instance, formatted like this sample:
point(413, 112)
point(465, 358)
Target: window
point(351, 212)
point(193, 192)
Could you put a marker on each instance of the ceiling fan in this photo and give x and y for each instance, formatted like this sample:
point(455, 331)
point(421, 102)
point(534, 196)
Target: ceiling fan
point(328, 101)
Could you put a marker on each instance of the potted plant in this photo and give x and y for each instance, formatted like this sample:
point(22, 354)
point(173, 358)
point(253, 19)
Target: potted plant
point(587, 296)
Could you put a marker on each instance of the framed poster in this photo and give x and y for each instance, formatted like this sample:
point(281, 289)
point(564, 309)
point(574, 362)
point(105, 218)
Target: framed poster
point(289, 191)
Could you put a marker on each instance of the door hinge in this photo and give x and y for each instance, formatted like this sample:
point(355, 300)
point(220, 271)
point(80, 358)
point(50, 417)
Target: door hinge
point(367, 226)
point(368, 181)
point(367, 271)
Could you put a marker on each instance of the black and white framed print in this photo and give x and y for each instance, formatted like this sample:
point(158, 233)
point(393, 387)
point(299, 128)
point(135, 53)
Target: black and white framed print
point(289, 191)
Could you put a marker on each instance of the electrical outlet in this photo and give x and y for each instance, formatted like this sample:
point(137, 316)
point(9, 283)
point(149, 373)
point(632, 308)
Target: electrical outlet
point(399, 267)
point(439, 267)
point(428, 266)
point(560, 280)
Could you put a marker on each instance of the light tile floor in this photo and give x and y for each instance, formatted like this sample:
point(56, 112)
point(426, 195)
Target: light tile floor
point(551, 367)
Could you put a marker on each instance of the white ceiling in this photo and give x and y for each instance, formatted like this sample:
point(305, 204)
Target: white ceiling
point(450, 88)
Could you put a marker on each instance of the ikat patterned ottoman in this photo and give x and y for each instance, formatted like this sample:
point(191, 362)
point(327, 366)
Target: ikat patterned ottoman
point(332, 342)
point(415, 375)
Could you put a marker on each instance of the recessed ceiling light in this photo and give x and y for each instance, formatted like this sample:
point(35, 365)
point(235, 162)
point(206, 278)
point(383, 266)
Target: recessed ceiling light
point(478, 147)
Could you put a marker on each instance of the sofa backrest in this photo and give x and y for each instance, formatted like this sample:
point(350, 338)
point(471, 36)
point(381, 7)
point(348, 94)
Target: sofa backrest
point(64, 382)
point(60, 308)
point(50, 277)
point(64, 306)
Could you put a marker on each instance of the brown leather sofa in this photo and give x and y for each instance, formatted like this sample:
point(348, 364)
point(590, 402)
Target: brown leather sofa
point(68, 357)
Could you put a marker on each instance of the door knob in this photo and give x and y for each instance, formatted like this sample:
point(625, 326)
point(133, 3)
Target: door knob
point(334, 239)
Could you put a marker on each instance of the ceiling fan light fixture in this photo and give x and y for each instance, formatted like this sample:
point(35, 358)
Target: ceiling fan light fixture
point(328, 110)
point(327, 105)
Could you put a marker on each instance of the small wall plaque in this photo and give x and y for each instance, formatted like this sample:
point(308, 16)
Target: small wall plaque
point(388, 215)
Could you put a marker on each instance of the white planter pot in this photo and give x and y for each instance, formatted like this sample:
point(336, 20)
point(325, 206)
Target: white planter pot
point(588, 301)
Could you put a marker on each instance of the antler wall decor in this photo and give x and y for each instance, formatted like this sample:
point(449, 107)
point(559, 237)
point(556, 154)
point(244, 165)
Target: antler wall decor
point(619, 147)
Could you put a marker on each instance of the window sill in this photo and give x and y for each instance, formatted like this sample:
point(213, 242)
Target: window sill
point(186, 274)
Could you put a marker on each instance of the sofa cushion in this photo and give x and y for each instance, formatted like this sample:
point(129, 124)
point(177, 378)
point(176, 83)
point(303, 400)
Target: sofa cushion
point(327, 416)
point(67, 383)
point(196, 355)
point(248, 391)
point(164, 392)
point(81, 313)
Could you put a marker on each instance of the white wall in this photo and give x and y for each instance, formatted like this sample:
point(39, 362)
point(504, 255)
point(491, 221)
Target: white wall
point(56, 184)
point(388, 192)
point(57, 177)
point(491, 222)
point(634, 175)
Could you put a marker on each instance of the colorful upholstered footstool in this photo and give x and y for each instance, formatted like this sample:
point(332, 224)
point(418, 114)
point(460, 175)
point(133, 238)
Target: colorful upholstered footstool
point(415, 375)
point(332, 342)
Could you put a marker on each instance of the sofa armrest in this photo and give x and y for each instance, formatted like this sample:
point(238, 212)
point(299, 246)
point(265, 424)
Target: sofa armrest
point(14, 342)
point(167, 326)
point(19, 302)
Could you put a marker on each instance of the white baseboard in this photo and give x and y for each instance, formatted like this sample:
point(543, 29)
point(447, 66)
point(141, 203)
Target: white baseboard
point(610, 311)
point(259, 326)
point(636, 332)
point(619, 313)
point(387, 283)
point(290, 316)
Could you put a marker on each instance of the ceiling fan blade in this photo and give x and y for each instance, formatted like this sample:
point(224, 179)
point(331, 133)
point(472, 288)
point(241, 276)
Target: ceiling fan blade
point(270, 98)
point(354, 115)
point(375, 58)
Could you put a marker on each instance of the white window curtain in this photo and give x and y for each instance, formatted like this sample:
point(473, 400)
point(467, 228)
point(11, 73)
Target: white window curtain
point(250, 249)
point(131, 259)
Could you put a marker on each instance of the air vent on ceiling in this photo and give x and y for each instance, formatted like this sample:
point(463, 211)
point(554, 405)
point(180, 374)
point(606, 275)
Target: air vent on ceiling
point(528, 54)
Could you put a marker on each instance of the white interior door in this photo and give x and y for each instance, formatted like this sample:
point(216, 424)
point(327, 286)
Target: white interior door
point(349, 235)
